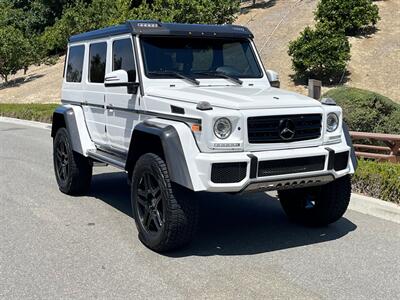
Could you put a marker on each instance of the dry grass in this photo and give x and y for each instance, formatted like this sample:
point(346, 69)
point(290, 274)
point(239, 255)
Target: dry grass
point(375, 63)
point(42, 84)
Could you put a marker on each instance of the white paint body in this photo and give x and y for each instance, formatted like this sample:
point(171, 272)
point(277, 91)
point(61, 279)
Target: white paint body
point(112, 129)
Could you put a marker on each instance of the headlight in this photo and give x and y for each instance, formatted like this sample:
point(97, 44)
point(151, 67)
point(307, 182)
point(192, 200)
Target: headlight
point(332, 122)
point(222, 128)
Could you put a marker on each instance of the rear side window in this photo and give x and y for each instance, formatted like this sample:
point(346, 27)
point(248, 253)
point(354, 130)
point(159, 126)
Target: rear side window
point(75, 63)
point(123, 58)
point(97, 62)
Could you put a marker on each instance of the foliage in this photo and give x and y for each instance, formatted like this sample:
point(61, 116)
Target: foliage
point(367, 111)
point(84, 16)
point(51, 22)
point(379, 180)
point(33, 112)
point(13, 50)
point(320, 53)
point(349, 15)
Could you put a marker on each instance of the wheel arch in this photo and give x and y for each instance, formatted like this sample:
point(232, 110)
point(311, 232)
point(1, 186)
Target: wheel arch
point(72, 118)
point(163, 140)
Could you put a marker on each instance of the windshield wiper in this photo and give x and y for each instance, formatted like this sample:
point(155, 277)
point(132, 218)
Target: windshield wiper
point(180, 75)
point(221, 75)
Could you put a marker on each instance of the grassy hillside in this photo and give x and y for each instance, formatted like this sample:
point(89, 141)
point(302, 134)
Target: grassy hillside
point(375, 63)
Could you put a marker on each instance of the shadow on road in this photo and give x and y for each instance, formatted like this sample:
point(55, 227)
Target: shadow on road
point(231, 225)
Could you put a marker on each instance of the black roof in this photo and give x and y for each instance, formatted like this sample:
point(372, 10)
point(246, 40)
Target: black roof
point(165, 29)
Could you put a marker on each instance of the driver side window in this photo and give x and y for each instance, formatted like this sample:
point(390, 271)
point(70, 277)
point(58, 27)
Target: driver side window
point(123, 58)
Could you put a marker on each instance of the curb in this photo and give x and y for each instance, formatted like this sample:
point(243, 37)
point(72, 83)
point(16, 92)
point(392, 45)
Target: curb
point(375, 207)
point(26, 123)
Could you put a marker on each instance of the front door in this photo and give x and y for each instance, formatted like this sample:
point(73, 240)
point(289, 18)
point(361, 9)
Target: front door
point(121, 116)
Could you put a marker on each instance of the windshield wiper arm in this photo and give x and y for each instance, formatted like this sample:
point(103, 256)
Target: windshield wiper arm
point(180, 75)
point(222, 75)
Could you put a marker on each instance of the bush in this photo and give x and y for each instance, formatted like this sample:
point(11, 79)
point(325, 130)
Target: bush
point(14, 48)
point(379, 180)
point(347, 15)
point(367, 111)
point(320, 53)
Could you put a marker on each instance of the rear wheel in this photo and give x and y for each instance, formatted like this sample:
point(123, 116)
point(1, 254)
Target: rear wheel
point(317, 206)
point(73, 171)
point(165, 214)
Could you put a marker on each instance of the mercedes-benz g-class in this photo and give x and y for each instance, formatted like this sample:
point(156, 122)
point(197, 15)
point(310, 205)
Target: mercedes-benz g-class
point(189, 108)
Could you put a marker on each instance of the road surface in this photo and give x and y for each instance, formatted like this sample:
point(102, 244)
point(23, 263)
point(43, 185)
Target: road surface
point(54, 246)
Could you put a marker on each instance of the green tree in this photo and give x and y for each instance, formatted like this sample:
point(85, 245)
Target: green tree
point(348, 15)
point(201, 11)
point(320, 53)
point(13, 48)
point(84, 16)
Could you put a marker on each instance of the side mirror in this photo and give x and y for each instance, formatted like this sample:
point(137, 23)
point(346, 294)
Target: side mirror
point(273, 78)
point(120, 78)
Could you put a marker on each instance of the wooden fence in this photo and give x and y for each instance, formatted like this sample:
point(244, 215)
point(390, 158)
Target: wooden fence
point(390, 152)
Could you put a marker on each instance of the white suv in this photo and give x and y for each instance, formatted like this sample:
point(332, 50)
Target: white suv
point(188, 108)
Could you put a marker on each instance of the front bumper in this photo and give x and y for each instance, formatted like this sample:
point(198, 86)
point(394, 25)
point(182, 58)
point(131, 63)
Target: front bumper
point(281, 169)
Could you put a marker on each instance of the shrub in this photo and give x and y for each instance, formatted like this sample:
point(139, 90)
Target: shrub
point(347, 15)
point(320, 53)
point(13, 50)
point(379, 180)
point(367, 111)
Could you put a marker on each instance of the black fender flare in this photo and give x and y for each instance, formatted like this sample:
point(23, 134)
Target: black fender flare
point(64, 116)
point(171, 145)
point(349, 143)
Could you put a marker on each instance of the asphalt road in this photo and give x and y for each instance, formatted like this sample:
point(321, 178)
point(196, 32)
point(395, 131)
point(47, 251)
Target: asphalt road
point(55, 246)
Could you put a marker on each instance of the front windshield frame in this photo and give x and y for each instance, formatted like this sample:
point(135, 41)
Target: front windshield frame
point(254, 55)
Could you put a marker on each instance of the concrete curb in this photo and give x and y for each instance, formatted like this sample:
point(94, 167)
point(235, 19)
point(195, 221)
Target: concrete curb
point(26, 123)
point(375, 207)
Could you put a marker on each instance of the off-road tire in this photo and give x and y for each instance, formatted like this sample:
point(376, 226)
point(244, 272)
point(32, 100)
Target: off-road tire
point(317, 206)
point(180, 207)
point(73, 171)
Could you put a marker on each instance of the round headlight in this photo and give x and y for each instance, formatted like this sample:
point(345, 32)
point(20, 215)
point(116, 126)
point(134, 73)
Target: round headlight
point(222, 128)
point(332, 122)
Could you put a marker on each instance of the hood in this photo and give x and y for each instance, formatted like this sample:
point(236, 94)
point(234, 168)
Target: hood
point(235, 97)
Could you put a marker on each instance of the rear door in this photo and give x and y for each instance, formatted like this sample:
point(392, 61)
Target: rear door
point(122, 106)
point(94, 94)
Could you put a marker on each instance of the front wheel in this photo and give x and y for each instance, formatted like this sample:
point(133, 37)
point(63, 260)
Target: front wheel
point(165, 214)
point(317, 206)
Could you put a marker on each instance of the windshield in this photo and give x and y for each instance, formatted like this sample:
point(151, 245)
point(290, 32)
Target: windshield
point(170, 57)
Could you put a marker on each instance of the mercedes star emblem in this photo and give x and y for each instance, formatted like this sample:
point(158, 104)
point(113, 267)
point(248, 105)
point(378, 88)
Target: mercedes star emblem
point(287, 129)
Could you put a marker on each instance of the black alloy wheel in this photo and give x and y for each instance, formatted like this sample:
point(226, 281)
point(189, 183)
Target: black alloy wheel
point(73, 171)
point(165, 213)
point(62, 160)
point(151, 207)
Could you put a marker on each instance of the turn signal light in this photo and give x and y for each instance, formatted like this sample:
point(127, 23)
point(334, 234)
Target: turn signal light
point(196, 128)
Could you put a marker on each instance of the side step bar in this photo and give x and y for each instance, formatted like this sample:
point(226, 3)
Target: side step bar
point(108, 158)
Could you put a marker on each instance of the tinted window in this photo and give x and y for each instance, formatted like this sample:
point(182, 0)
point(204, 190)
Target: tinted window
point(123, 58)
point(97, 62)
point(197, 56)
point(75, 63)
